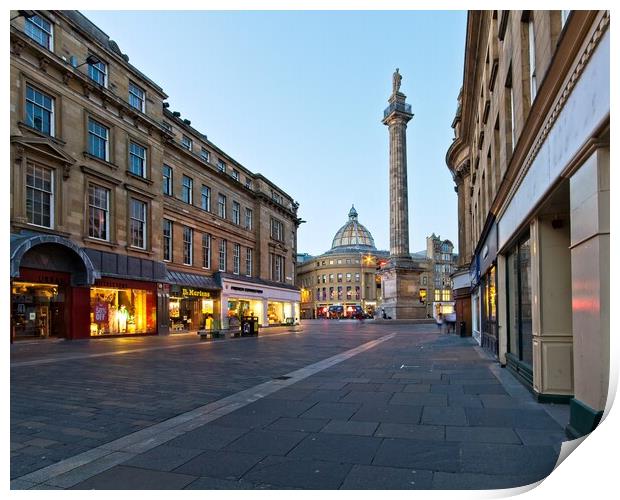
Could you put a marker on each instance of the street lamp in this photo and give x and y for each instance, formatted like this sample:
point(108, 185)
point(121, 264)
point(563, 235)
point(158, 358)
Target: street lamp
point(90, 59)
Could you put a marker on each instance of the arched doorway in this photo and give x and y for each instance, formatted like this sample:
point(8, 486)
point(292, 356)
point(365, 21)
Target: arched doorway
point(50, 277)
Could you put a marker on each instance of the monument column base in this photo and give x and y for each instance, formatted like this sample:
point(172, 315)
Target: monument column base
point(400, 282)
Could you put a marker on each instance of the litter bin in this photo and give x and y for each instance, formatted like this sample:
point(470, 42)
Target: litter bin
point(249, 326)
point(462, 329)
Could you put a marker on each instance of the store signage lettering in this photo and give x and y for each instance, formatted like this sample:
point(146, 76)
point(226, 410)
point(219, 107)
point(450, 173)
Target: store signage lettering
point(241, 289)
point(191, 292)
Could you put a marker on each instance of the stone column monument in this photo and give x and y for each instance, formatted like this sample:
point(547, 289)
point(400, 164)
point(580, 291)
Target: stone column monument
point(400, 277)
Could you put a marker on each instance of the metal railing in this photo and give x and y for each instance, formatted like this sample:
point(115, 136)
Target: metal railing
point(397, 106)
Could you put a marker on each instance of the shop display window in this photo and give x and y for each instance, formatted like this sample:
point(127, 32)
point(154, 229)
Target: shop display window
point(122, 311)
point(238, 308)
point(37, 310)
point(191, 313)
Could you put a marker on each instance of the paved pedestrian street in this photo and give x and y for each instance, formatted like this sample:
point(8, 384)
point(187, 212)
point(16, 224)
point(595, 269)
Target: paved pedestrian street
point(335, 405)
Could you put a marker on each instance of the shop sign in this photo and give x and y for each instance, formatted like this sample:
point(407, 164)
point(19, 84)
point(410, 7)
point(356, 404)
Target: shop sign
point(242, 289)
point(192, 292)
point(185, 292)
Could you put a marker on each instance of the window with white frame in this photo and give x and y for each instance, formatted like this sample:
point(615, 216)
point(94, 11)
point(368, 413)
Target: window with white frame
point(248, 183)
point(206, 251)
point(236, 258)
point(277, 229)
point(186, 189)
point(167, 227)
point(41, 31)
point(248, 261)
point(186, 142)
point(137, 159)
point(277, 267)
point(221, 206)
point(39, 110)
point(248, 219)
point(136, 97)
point(98, 73)
point(205, 198)
point(235, 174)
point(236, 213)
point(98, 136)
point(137, 224)
point(40, 195)
point(188, 237)
point(98, 212)
point(221, 166)
point(222, 258)
point(204, 154)
point(167, 180)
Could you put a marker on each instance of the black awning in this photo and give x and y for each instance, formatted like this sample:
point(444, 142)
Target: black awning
point(193, 280)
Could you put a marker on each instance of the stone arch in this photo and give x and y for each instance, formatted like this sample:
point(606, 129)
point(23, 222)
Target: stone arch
point(79, 277)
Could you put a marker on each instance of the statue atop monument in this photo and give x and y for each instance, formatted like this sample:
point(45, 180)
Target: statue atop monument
point(396, 79)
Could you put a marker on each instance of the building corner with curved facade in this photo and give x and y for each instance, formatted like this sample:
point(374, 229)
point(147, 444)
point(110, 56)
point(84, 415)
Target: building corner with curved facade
point(530, 161)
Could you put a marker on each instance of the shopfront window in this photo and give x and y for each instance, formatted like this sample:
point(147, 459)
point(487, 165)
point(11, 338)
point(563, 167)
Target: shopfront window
point(240, 308)
point(489, 311)
point(37, 310)
point(122, 311)
point(191, 309)
point(279, 312)
point(520, 302)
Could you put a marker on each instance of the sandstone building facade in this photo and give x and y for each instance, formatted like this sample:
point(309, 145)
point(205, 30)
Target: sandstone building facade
point(124, 219)
point(530, 160)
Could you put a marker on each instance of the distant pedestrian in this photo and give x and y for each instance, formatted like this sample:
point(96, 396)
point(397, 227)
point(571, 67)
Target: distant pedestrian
point(383, 315)
point(439, 321)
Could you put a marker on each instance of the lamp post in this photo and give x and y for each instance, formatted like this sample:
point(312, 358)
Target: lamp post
point(364, 259)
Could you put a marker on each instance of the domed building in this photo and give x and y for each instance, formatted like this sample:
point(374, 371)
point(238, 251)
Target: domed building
point(353, 236)
point(343, 281)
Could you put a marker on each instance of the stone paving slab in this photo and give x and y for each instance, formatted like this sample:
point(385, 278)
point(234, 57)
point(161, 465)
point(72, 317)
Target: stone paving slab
point(291, 473)
point(123, 477)
point(299, 424)
point(223, 464)
point(311, 435)
point(370, 477)
point(411, 431)
point(269, 442)
point(163, 458)
point(350, 427)
point(337, 448)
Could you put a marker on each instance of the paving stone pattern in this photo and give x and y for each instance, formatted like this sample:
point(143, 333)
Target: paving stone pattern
point(419, 411)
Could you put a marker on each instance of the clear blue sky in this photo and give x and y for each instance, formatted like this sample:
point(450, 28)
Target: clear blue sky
point(299, 97)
